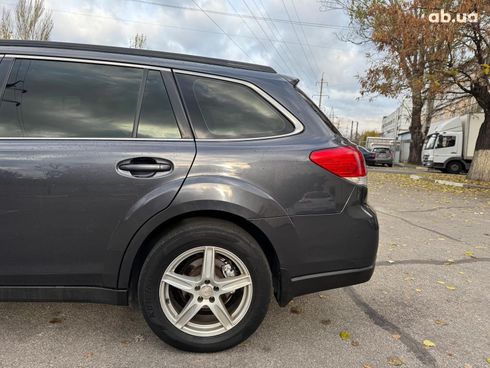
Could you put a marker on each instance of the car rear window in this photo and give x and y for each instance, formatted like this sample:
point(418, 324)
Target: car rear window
point(229, 110)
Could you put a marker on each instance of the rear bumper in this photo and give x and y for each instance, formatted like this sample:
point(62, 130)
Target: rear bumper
point(292, 287)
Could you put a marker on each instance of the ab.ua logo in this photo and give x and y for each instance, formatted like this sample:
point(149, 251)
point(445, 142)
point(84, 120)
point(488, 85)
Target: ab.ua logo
point(445, 17)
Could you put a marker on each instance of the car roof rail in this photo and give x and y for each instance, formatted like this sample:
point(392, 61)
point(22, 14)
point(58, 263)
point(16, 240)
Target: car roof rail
point(138, 52)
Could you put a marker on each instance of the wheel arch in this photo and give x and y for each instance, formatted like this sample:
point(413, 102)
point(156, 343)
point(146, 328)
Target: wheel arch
point(128, 276)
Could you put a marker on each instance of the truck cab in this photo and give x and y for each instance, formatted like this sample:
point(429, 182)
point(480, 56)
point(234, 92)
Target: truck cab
point(450, 145)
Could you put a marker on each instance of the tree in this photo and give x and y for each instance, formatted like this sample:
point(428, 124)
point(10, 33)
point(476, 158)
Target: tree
point(30, 21)
point(406, 49)
point(138, 41)
point(468, 67)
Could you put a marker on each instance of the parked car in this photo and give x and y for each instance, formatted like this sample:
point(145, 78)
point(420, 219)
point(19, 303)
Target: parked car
point(383, 156)
point(369, 156)
point(194, 186)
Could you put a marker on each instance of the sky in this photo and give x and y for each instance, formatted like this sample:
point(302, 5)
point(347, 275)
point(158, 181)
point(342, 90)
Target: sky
point(301, 40)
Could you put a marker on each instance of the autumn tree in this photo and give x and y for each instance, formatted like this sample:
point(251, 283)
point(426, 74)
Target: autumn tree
point(29, 21)
point(404, 48)
point(138, 41)
point(468, 68)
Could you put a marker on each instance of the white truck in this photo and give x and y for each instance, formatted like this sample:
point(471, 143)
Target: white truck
point(450, 144)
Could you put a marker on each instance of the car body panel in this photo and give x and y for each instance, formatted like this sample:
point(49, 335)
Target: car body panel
point(87, 223)
point(66, 211)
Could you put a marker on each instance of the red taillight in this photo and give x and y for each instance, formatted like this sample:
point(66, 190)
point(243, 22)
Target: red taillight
point(346, 162)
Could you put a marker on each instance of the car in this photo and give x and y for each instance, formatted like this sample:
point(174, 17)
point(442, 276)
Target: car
point(369, 156)
point(383, 156)
point(193, 187)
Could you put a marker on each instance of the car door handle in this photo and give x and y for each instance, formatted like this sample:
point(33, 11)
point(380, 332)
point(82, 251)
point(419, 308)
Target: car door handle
point(145, 167)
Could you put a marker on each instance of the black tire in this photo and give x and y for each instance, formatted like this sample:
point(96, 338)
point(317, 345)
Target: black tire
point(192, 233)
point(454, 167)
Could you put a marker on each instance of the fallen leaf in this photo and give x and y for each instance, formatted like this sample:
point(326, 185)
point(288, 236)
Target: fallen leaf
point(390, 261)
point(440, 322)
point(469, 253)
point(450, 287)
point(354, 343)
point(325, 322)
point(396, 337)
point(344, 335)
point(295, 310)
point(367, 366)
point(394, 360)
point(441, 238)
point(440, 282)
point(322, 296)
point(428, 344)
point(139, 338)
point(461, 272)
point(488, 360)
point(88, 355)
point(418, 290)
point(124, 342)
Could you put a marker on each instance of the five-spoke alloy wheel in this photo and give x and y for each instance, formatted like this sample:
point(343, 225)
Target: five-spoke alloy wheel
point(206, 292)
point(205, 286)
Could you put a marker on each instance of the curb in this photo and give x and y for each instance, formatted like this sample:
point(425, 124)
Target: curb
point(449, 183)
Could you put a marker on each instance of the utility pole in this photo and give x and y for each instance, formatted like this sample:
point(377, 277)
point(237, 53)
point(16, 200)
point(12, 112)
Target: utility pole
point(320, 96)
point(357, 131)
point(351, 128)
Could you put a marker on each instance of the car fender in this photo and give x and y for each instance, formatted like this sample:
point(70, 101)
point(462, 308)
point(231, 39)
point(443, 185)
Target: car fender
point(213, 193)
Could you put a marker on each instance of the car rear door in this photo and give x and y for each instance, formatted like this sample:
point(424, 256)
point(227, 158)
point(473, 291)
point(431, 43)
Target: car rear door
point(89, 151)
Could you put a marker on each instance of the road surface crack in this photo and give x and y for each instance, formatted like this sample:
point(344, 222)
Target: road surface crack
point(420, 226)
point(412, 344)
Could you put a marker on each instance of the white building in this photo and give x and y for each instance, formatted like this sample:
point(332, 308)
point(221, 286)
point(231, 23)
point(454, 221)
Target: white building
point(398, 121)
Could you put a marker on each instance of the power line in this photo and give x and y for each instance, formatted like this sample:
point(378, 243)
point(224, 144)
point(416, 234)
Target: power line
point(306, 39)
point(218, 12)
point(159, 25)
point(297, 37)
point(267, 36)
point(248, 27)
point(222, 30)
point(289, 53)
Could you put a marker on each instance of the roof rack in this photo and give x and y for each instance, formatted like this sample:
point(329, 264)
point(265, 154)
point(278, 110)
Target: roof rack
point(137, 52)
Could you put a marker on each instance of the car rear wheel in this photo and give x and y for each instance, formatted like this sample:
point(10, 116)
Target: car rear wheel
point(205, 286)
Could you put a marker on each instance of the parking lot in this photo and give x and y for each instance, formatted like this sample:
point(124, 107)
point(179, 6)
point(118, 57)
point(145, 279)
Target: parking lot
point(426, 306)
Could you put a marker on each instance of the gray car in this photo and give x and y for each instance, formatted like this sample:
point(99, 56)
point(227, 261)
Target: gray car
point(195, 187)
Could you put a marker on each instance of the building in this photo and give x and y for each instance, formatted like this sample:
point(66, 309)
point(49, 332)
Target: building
point(398, 121)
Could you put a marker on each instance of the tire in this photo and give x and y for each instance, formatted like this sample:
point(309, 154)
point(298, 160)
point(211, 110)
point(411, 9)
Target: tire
point(454, 167)
point(180, 251)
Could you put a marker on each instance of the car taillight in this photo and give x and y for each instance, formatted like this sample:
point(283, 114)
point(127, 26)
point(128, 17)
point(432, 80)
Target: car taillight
point(346, 162)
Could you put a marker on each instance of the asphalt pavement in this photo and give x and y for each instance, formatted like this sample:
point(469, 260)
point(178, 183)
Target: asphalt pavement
point(431, 287)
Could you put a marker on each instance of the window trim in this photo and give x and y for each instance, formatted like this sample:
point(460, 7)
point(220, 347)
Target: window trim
point(147, 68)
point(298, 126)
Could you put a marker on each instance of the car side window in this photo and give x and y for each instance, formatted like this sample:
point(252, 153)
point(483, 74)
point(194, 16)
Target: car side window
point(157, 119)
point(446, 141)
point(228, 110)
point(69, 99)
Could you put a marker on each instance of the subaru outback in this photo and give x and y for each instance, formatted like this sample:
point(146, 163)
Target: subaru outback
point(195, 187)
